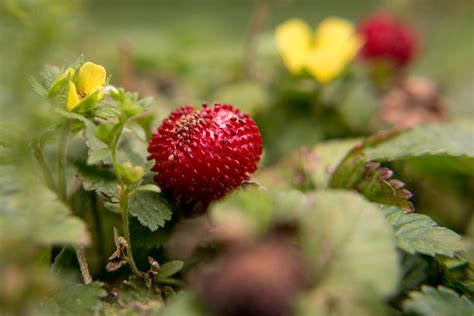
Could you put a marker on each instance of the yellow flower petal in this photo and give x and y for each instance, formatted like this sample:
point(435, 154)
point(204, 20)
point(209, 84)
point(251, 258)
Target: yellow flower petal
point(293, 39)
point(333, 33)
point(324, 65)
point(91, 76)
point(72, 96)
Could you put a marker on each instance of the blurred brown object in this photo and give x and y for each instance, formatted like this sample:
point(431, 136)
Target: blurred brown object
point(126, 66)
point(414, 101)
point(253, 279)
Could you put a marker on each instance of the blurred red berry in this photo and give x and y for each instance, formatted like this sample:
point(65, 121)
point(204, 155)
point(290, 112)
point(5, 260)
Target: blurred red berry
point(386, 39)
point(202, 154)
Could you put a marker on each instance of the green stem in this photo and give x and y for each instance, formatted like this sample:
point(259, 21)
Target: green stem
point(48, 175)
point(124, 203)
point(61, 189)
point(126, 230)
point(62, 159)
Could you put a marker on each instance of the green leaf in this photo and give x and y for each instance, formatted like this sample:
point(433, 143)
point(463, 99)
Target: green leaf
point(97, 179)
point(184, 304)
point(137, 130)
point(149, 187)
point(150, 208)
point(454, 139)
point(439, 301)
point(356, 172)
point(418, 233)
point(75, 299)
point(321, 161)
point(98, 150)
point(351, 252)
point(40, 216)
point(169, 268)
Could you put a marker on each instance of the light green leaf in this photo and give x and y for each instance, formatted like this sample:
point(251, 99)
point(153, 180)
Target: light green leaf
point(40, 217)
point(438, 302)
point(137, 130)
point(150, 208)
point(321, 161)
point(454, 139)
point(149, 187)
point(418, 233)
point(169, 268)
point(184, 304)
point(351, 252)
point(74, 299)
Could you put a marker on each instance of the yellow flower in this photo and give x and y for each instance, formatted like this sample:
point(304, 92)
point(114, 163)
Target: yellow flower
point(91, 79)
point(325, 54)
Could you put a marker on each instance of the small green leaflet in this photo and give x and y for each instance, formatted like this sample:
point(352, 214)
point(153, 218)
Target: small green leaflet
point(438, 302)
point(418, 233)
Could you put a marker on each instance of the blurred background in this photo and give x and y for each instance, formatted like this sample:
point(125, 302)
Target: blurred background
point(186, 51)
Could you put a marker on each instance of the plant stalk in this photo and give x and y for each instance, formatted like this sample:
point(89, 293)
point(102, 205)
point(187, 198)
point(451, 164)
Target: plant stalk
point(126, 230)
point(48, 175)
point(124, 205)
point(62, 193)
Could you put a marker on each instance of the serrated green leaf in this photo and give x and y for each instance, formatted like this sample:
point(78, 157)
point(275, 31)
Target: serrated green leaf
point(356, 172)
point(101, 154)
point(418, 233)
point(350, 249)
point(97, 179)
point(439, 301)
point(453, 139)
point(150, 208)
point(74, 299)
point(169, 268)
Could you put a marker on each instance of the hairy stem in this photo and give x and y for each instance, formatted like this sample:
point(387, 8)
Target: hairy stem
point(124, 204)
point(81, 259)
point(62, 193)
point(126, 230)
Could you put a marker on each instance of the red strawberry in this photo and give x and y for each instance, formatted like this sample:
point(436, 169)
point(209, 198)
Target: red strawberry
point(202, 154)
point(387, 39)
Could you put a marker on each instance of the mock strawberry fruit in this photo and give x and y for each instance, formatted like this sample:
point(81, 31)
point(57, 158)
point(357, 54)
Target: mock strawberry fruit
point(387, 39)
point(202, 154)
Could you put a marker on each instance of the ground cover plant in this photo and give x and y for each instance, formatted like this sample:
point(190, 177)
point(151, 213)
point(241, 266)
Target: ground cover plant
point(317, 174)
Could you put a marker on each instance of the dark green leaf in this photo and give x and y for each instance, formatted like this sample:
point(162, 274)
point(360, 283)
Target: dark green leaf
point(150, 208)
point(454, 139)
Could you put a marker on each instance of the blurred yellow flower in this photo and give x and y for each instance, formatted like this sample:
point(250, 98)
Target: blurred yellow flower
point(325, 54)
point(91, 79)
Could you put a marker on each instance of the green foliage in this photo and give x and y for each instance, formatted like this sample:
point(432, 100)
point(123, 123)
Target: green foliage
point(418, 233)
point(168, 269)
point(74, 299)
point(346, 275)
point(369, 178)
point(453, 139)
point(439, 301)
point(150, 208)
